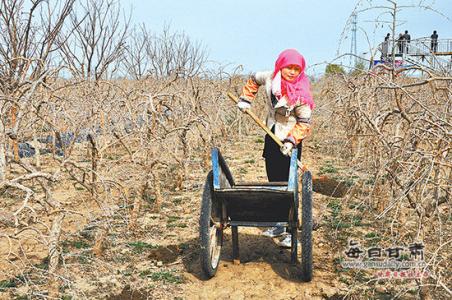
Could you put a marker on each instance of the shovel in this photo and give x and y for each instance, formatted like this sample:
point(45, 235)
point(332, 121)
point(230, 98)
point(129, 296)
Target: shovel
point(323, 185)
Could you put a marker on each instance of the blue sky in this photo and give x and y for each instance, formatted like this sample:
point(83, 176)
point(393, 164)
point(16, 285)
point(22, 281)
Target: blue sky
point(252, 33)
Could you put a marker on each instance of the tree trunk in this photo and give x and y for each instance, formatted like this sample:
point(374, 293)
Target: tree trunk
point(157, 190)
point(54, 254)
point(2, 153)
point(99, 240)
point(135, 213)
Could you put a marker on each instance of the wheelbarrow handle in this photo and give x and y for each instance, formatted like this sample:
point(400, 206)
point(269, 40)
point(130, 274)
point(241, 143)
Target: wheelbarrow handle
point(265, 128)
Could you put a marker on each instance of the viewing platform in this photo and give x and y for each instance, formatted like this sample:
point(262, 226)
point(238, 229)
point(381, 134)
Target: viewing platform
point(422, 52)
point(417, 47)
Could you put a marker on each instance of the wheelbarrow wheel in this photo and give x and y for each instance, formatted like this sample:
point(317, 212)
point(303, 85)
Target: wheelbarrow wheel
point(306, 230)
point(211, 235)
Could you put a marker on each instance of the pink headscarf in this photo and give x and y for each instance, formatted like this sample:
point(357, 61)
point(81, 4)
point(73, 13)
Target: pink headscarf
point(300, 88)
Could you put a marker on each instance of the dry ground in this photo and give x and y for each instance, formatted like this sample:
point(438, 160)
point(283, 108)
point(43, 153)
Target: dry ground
point(265, 271)
point(167, 244)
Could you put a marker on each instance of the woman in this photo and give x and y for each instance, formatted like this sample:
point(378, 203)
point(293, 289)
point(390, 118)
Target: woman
point(290, 105)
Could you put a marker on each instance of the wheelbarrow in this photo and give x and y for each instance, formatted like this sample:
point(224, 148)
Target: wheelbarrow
point(226, 203)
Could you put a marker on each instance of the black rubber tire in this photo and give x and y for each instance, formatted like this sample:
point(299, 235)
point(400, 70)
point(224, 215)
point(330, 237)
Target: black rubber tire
point(294, 229)
point(294, 246)
point(210, 257)
point(306, 227)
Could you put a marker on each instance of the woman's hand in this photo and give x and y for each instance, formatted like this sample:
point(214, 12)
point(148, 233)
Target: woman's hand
point(243, 104)
point(286, 148)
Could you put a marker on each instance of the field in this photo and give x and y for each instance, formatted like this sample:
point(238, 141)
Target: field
point(121, 210)
point(105, 140)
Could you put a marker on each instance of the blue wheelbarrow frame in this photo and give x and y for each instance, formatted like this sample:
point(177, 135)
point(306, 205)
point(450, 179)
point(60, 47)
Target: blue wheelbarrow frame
point(254, 204)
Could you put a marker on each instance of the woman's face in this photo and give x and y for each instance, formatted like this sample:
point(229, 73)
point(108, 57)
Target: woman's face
point(291, 72)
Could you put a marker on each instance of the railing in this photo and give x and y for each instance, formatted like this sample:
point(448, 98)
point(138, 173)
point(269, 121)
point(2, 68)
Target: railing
point(421, 52)
point(417, 47)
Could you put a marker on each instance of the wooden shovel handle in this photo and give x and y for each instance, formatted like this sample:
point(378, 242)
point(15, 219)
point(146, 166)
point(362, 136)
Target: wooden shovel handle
point(258, 121)
point(265, 128)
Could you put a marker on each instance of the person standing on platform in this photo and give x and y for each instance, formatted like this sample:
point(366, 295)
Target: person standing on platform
point(385, 47)
point(434, 42)
point(407, 40)
point(400, 43)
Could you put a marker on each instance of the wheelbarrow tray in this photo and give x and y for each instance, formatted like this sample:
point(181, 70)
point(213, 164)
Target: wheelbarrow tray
point(257, 205)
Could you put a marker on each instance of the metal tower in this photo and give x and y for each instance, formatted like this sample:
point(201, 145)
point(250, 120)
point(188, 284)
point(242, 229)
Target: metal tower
point(353, 59)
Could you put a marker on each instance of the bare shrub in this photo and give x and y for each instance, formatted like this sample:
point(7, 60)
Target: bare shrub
point(396, 130)
point(94, 39)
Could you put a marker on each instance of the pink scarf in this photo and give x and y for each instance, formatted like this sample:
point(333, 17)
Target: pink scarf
point(298, 90)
